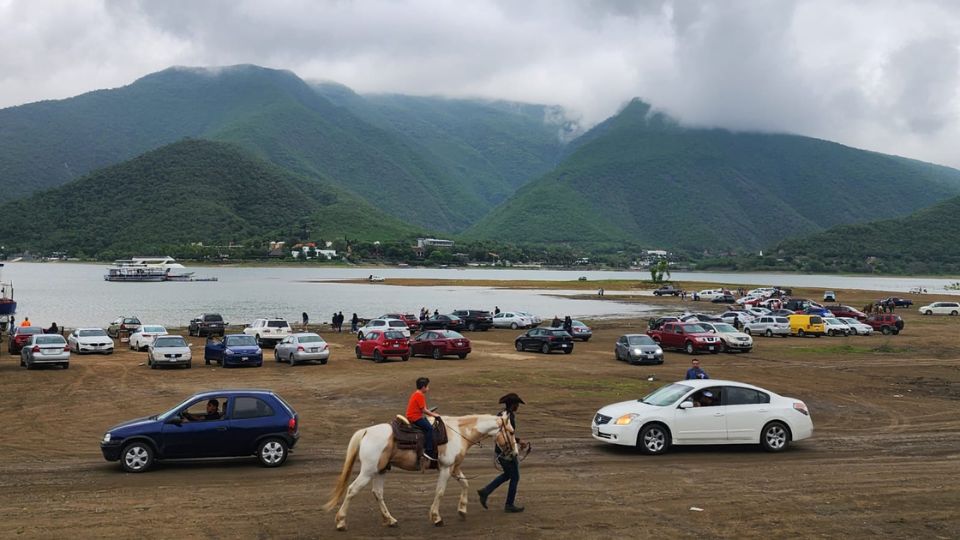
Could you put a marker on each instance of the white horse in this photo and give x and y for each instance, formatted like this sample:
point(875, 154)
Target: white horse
point(377, 451)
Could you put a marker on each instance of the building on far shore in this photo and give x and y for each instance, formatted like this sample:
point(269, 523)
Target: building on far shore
point(424, 244)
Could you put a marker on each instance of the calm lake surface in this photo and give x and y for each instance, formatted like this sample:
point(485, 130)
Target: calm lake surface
point(76, 294)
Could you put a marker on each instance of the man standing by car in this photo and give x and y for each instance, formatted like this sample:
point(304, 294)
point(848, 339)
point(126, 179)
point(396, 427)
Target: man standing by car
point(510, 464)
point(696, 372)
point(416, 412)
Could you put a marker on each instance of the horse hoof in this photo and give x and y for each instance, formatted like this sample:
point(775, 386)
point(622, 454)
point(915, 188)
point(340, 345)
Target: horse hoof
point(341, 527)
point(392, 523)
point(463, 513)
point(438, 524)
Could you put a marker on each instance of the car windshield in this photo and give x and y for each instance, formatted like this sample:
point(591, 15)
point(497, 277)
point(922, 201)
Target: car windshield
point(91, 333)
point(49, 340)
point(212, 318)
point(398, 324)
point(310, 339)
point(131, 321)
point(450, 334)
point(831, 320)
point(641, 340)
point(278, 324)
point(393, 334)
point(240, 341)
point(666, 395)
point(720, 327)
point(693, 328)
point(578, 323)
point(154, 329)
point(29, 330)
point(173, 341)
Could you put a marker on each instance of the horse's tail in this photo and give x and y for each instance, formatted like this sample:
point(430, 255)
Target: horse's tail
point(353, 449)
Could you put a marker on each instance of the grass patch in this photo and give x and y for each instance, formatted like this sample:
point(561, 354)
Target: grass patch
point(884, 348)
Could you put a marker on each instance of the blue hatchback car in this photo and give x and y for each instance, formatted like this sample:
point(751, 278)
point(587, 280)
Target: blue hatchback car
point(216, 424)
point(233, 350)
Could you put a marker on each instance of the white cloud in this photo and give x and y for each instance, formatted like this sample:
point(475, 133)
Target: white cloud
point(881, 75)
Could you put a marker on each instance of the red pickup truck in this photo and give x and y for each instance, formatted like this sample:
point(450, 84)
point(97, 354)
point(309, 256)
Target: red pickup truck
point(690, 337)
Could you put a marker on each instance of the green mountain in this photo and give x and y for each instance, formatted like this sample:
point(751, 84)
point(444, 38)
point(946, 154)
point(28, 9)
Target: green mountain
point(925, 242)
point(189, 191)
point(281, 118)
point(639, 177)
point(496, 145)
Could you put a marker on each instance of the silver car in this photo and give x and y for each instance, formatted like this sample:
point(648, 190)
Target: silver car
point(638, 349)
point(45, 349)
point(768, 325)
point(90, 340)
point(167, 350)
point(302, 347)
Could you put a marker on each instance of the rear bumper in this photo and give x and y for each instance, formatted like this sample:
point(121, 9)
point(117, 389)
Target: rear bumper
point(395, 352)
point(303, 356)
point(561, 346)
point(49, 359)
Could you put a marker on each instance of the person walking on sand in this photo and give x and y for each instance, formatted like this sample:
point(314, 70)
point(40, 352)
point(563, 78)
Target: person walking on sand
point(509, 464)
point(340, 322)
point(306, 319)
point(354, 323)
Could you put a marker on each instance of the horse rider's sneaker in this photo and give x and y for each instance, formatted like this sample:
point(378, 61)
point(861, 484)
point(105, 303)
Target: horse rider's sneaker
point(512, 509)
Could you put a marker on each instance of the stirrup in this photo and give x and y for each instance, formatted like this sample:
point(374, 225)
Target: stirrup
point(428, 457)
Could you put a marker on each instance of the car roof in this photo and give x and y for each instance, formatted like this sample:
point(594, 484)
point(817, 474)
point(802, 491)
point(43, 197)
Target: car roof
point(707, 383)
point(88, 328)
point(232, 391)
point(303, 334)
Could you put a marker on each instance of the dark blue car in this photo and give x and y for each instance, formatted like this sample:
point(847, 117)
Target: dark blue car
point(217, 424)
point(233, 350)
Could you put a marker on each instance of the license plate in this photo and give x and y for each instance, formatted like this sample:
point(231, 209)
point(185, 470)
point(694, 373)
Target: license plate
point(244, 358)
point(314, 349)
point(563, 345)
point(595, 430)
point(650, 357)
point(711, 347)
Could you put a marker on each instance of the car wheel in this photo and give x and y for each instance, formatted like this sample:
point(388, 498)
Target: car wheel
point(747, 331)
point(928, 312)
point(831, 333)
point(472, 327)
point(272, 452)
point(462, 356)
point(359, 356)
point(722, 347)
point(206, 361)
point(568, 351)
point(276, 356)
point(377, 357)
point(801, 333)
point(774, 437)
point(616, 354)
point(586, 339)
point(518, 346)
point(689, 347)
point(436, 353)
point(953, 313)
point(545, 349)
point(137, 457)
point(405, 357)
point(190, 364)
point(654, 439)
point(768, 333)
point(896, 331)
point(885, 330)
point(66, 365)
point(513, 326)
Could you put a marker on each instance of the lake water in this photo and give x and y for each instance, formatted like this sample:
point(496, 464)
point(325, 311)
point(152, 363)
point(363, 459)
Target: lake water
point(76, 294)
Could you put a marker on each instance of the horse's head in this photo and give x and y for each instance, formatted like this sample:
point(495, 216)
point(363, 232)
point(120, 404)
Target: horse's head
point(506, 440)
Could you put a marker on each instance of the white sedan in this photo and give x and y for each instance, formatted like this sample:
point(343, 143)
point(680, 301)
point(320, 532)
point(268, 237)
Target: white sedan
point(941, 308)
point(705, 411)
point(510, 319)
point(835, 327)
point(857, 328)
point(142, 338)
point(90, 340)
point(169, 350)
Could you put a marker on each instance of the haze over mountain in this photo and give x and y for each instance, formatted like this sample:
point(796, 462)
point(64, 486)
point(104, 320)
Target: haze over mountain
point(185, 192)
point(640, 177)
point(444, 180)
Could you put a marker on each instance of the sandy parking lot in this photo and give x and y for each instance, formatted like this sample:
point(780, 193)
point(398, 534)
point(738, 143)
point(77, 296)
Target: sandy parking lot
point(884, 459)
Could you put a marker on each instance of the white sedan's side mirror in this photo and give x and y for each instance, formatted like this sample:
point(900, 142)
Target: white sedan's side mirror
point(686, 404)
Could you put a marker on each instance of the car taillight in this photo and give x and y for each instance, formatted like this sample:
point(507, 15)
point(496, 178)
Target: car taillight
point(292, 425)
point(325, 346)
point(123, 326)
point(802, 407)
point(36, 348)
point(66, 348)
point(300, 348)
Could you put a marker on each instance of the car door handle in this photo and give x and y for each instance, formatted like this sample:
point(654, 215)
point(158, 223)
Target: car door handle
point(761, 410)
point(718, 414)
point(222, 428)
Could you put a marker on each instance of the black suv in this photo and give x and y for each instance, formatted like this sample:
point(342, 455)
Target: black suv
point(208, 324)
point(474, 319)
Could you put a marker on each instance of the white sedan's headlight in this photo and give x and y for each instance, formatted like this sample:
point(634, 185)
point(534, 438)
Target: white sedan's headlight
point(106, 438)
point(637, 351)
point(626, 419)
point(659, 351)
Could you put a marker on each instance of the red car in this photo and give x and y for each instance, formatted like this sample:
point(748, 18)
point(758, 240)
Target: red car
point(689, 337)
point(440, 343)
point(412, 321)
point(383, 344)
point(847, 311)
point(885, 323)
point(20, 336)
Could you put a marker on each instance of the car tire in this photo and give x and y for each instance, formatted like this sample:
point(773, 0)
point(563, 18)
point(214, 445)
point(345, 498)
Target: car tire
point(272, 452)
point(136, 457)
point(545, 349)
point(928, 312)
point(885, 330)
point(568, 351)
point(405, 357)
point(954, 313)
point(722, 347)
point(190, 364)
point(462, 356)
point(377, 357)
point(653, 439)
point(747, 331)
point(359, 355)
point(768, 333)
point(151, 363)
point(896, 331)
point(775, 437)
point(436, 354)
point(689, 347)
point(831, 333)
point(519, 346)
point(472, 327)
point(65, 365)
point(586, 339)
point(801, 333)
point(206, 361)
point(513, 326)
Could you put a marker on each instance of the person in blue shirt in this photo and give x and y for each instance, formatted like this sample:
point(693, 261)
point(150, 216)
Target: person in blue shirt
point(696, 372)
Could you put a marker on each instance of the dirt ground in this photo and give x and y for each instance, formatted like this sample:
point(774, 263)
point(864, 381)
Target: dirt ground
point(884, 458)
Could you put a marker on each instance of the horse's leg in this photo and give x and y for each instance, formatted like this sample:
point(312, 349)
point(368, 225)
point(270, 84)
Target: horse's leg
point(441, 487)
point(462, 480)
point(388, 520)
point(355, 487)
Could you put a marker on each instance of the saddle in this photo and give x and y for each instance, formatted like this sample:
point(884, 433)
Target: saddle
point(410, 437)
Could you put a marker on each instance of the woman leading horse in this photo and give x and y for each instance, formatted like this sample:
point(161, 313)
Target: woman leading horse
point(374, 446)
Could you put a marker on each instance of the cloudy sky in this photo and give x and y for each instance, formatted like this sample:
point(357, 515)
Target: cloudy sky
point(876, 74)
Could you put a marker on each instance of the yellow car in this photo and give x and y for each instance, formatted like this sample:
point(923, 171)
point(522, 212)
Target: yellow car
point(806, 325)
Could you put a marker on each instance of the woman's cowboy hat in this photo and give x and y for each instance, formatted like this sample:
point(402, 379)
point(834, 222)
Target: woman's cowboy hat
point(512, 398)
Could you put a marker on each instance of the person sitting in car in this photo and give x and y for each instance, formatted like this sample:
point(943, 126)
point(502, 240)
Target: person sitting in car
point(705, 399)
point(213, 413)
